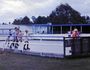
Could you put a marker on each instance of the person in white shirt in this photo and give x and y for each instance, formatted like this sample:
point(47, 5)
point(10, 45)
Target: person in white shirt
point(69, 33)
point(20, 36)
point(26, 40)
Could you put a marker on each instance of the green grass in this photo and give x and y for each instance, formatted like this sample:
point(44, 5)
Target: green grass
point(11, 61)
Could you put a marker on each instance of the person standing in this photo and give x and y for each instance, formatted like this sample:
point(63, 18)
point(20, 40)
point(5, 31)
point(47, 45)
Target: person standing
point(75, 33)
point(69, 33)
point(20, 36)
point(26, 40)
point(75, 42)
point(8, 40)
point(15, 35)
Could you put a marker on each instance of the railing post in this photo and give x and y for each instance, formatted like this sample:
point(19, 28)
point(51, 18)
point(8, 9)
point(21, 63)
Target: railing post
point(64, 46)
point(81, 46)
point(73, 46)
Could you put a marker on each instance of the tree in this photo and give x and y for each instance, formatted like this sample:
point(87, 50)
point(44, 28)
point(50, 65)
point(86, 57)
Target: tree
point(25, 20)
point(41, 20)
point(65, 14)
point(33, 19)
point(16, 22)
point(22, 21)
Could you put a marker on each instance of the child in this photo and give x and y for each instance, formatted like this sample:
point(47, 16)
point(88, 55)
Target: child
point(26, 41)
point(20, 36)
point(8, 40)
point(15, 38)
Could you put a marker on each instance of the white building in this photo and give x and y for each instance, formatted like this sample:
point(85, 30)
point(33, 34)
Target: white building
point(34, 29)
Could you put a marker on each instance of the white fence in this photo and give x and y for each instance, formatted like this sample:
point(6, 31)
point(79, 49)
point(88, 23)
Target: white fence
point(51, 46)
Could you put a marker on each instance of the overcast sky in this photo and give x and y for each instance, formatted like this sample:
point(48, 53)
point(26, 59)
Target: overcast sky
point(11, 9)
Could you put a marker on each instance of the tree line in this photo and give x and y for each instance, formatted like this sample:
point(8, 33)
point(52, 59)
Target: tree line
point(63, 14)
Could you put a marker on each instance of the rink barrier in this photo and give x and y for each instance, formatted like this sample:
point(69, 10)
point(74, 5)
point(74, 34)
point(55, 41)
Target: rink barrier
point(77, 47)
point(39, 38)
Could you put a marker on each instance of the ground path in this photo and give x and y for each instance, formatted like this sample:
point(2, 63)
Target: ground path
point(12, 61)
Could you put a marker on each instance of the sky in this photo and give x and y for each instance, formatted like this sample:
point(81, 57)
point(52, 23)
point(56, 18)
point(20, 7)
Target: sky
point(15, 9)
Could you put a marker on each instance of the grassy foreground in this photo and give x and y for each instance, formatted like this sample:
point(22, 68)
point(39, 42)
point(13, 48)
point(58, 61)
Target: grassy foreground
point(11, 61)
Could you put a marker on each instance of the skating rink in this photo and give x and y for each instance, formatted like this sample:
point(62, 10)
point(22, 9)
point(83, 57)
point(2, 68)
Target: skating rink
point(49, 44)
point(39, 44)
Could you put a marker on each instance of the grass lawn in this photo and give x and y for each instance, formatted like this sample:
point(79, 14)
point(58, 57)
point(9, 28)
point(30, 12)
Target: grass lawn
point(11, 61)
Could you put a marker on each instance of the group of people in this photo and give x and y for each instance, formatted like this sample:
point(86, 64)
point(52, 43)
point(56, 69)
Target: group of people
point(18, 36)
